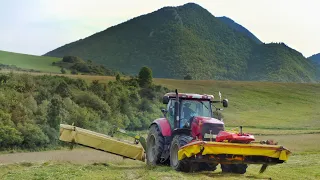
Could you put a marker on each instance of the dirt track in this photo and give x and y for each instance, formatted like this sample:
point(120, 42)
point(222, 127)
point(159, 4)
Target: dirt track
point(81, 156)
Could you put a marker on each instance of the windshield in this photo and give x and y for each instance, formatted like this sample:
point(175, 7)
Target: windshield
point(190, 108)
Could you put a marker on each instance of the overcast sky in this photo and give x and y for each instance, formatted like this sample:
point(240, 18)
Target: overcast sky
point(38, 26)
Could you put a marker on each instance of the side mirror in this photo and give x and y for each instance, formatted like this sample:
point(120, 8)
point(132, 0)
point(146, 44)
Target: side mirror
point(165, 100)
point(225, 103)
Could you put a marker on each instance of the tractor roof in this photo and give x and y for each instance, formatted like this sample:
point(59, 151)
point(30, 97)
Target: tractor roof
point(190, 96)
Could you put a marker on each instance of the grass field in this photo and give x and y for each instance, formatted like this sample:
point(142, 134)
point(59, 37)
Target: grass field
point(29, 61)
point(263, 105)
point(286, 112)
point(91, 164)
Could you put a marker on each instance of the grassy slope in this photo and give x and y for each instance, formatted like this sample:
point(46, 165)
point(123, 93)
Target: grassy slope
point(262, 105)
point(29, 61)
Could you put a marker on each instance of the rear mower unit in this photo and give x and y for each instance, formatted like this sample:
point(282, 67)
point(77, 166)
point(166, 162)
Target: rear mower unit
point(188, 138)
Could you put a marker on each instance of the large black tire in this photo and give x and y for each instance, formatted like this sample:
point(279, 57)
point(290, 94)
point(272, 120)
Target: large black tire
point(234, 168)
point(155, 146)
point(177, 142)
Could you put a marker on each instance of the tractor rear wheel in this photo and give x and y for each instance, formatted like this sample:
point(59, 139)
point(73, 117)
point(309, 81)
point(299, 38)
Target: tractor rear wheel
point(177, 142)
point(155, 145)
point(234, 168)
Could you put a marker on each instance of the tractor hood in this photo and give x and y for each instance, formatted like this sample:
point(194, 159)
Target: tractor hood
point(201, 127)
point(210, 120)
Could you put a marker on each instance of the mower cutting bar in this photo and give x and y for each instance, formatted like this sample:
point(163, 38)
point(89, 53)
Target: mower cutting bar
point(102, 142)
point(233, 153)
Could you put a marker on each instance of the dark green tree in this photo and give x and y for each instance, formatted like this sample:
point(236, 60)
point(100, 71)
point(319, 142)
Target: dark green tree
point(63, 90)
point(145, 77)
point(54, 113)
point(118, 77)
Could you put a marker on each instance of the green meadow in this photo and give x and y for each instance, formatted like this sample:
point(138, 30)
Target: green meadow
point(40, 63)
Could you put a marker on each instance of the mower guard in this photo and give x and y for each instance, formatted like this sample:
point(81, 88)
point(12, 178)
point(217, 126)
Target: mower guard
point(73, 134)
point(233, 153)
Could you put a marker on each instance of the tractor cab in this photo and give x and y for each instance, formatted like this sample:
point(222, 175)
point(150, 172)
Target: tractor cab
point(193, 113)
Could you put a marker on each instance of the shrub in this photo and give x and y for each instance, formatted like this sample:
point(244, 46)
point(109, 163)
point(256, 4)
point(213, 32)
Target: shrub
point(63, 71)
point(73, 71)
point(72, 59)
point(9, 136)
point(188, 77)
point(33, 136)
point(90, 100)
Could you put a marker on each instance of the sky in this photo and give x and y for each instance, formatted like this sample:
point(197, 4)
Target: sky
point(39, 26)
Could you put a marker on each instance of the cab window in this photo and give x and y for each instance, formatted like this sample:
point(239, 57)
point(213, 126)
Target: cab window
point(170, 108)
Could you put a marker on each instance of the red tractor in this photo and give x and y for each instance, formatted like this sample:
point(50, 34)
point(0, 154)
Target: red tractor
point(189, 137)
point(187, 118)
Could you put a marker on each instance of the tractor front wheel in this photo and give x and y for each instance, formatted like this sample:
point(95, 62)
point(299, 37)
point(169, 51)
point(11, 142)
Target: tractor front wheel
point(155, 145)
point(177, 142)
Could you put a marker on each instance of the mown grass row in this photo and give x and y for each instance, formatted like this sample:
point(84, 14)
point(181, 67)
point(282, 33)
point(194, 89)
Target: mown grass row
point(299, 167)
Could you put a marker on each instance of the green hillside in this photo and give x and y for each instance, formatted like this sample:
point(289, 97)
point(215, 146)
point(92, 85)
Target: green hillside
point(25, 61)
point(315, 58)
point(239, 27)
point(280, 63)
point(189, 40)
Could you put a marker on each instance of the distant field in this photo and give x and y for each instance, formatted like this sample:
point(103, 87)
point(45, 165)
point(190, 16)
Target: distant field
point(263, 105)
point(87, 78)
point(29, 61)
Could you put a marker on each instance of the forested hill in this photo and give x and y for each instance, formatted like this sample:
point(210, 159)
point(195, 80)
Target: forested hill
point(238, 27)
point(188, 40)
point(315, 58)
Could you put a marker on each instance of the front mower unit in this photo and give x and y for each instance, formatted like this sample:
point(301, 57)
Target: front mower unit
point(233, 153)
point(233, 148)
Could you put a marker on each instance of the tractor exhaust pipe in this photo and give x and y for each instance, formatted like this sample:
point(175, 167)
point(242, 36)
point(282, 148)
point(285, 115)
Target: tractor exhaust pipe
point(176, 111)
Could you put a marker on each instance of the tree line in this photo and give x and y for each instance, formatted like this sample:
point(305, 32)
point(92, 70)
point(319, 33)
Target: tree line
point(32, 107)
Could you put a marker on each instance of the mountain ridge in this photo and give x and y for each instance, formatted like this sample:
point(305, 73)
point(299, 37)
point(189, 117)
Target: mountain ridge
point(188, 40)
point(315, 58)
point(238, 27)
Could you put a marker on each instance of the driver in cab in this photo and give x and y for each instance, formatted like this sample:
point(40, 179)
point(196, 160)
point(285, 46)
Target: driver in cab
point(187, 113)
